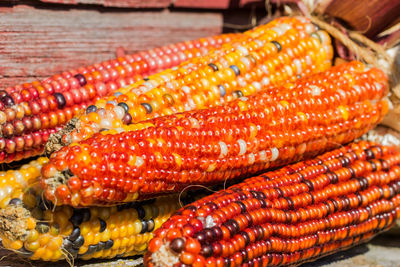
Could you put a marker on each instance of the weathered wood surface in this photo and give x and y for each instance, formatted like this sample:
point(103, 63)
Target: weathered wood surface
point(116, 3)
point(219, 4)
point(36, 43)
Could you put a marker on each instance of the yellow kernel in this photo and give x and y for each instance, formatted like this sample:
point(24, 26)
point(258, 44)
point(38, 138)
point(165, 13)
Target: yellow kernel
point(114, 233)
point(344, 111)
point(39, 253)
point(96, 238)
point(105, 235)
point(48, 254)
point(15, 245)
point(83, 249)
point(117, 243)
point(32, 236)
point(31, 223)
point(67, 230)
point(55, 243)
point(32, 246)
point(85, 228)
point(44, 239)
point(124, 242)
point(57, 255)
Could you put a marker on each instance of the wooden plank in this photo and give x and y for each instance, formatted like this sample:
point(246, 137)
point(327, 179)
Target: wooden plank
point(116, 3)
point(218, 4)
point(36, 43)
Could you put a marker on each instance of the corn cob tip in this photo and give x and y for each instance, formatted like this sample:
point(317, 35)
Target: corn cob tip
point(14, 221)
point(55, 141)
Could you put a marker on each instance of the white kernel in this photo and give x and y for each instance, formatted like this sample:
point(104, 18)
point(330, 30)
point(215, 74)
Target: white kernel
point(139, 161)
point(265, 81)
point(315, 90)
point(259, 42)
point(290, 52)
point(242, 146)
point(209, 222)
point(308, 60)
point(297, 63)
point(342, 93)
point(264, 68)
point(378, 86)
point(251, 158)
point(243, 98)
point(278, 30)
point(243, 49)
point(246, 61)
point(309, 28)
point(186, 89)
point(241, 81)
point(263, 155)
point(194, 123)
point(257, 85)
point(105, 123)
point(149, 85)
point(224, 149)
point(288, 70)
point(119, 111)
point(19, 178)
point(275, 153)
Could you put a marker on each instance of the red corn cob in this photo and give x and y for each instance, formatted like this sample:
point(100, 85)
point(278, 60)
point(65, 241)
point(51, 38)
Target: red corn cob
point(29, 113)
point(245, 136)
point(285, 217)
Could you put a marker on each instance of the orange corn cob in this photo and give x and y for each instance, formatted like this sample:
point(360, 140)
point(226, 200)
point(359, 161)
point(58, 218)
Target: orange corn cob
point(286, 217)
point(284, 49)
point(29, 113)
point(250, 134)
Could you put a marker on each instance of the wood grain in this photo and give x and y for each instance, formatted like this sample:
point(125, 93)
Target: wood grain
point(116, 3)
point(217, 4)
point(37, 43)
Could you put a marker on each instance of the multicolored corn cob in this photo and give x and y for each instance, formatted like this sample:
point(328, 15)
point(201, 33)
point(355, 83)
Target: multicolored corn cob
point(280, 51)
point(37, 230)
point(166, 154)
point(289, 216)
point(13, 183)
point(29, 113)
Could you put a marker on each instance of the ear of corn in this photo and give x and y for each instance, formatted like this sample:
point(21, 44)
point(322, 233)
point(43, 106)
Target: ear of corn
point(250, 134)
point(280, 51)
point(37, 230)
point(288, 216)
point(29, 113)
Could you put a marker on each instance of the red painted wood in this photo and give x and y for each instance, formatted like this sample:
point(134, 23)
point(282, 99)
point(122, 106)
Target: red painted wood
point(220, 4)
point(37, 43)
point(117, 3)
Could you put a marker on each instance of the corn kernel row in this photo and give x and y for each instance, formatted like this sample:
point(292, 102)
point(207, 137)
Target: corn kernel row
point(32, 229)
point(250, 134)
point(35, 229)
point(282, 50)
point(29, 109)
point(288, 216)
